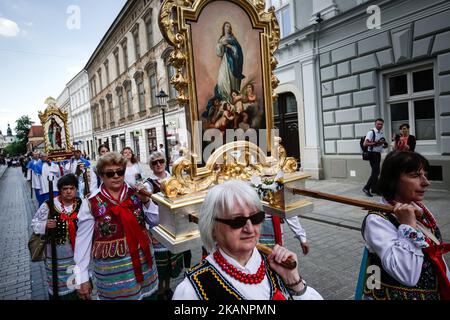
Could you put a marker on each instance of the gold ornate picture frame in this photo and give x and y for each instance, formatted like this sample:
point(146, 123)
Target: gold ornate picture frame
point(224, 58)
point(56, 131)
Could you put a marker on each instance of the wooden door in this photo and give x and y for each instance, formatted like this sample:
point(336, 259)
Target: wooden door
point(286, 121)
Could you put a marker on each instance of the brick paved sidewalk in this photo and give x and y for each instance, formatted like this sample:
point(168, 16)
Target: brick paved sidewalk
point(19, 278)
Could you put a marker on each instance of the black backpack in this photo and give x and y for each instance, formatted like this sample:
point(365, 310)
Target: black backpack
point(365, 150)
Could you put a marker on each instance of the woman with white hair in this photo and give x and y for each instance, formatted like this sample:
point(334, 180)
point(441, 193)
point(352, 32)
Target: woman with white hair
point(229, 223)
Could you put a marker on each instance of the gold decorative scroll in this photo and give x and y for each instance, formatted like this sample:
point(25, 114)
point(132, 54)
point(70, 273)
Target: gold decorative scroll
point(236, 160)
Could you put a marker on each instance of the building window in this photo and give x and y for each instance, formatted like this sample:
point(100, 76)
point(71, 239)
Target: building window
point(121, 104)
point(100, 82)
point(141, 92)
point(411, 100)
point(125, 53)
point(153, 88)
point(106, 64)
point(151, 137)
point(102, 104)
point(283, 14)
point(99, 123)
point(137, 44)
point(149, 30)
point(110, 107)
point(114, 143)
point(94, 116)
point(129, 99)
point(94, 85)
point(116, 61)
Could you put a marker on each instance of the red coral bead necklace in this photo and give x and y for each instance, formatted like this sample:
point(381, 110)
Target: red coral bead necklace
point(240, 276)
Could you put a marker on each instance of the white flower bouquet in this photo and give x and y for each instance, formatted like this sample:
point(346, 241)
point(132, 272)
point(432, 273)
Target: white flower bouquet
point(269, 189)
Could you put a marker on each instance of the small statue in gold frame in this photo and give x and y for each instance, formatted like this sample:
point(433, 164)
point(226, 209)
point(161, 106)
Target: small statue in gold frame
point(56, 132)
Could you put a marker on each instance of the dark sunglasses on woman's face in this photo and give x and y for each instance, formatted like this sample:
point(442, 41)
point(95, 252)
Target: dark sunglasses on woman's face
point(240, 222)
point(111, 174)
point(160, 161)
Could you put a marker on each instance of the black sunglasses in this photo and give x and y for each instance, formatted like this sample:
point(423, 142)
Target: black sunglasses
point(240, 222)
point(160, 161)
point(111, 174)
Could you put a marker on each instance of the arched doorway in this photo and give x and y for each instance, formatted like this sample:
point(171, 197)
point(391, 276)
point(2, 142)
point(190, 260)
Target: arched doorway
point(286, 121)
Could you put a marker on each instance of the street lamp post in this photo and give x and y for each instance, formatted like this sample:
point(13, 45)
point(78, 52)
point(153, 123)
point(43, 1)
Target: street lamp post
point(162, 100)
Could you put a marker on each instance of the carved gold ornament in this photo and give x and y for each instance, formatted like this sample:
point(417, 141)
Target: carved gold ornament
point(237, 160)
point(53, 112)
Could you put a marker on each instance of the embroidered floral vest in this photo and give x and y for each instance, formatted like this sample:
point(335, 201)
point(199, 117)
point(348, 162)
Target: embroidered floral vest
point(210, 284)
point(109, 235)
point(62, 231)
point(390, 289)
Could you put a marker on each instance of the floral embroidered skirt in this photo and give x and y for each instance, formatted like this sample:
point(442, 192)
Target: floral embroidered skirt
point(115, 278)
point(169, 264)
point(65, 265)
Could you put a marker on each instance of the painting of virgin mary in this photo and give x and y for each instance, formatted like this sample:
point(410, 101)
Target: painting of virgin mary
point(232, 60)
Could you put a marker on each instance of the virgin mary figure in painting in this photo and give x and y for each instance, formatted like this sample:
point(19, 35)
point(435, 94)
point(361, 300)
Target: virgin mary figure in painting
point(54, 134)
point(230, 71)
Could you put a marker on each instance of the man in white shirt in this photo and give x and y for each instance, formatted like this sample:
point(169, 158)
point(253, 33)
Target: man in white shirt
point(49, 170)
point(376, 142)
point(71, 166)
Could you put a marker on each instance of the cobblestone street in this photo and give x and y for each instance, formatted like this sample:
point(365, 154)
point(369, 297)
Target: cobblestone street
point(19, 278)
point(332, 229)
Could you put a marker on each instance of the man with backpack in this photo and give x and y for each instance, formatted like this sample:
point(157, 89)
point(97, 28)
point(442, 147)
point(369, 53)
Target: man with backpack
point(375, 142)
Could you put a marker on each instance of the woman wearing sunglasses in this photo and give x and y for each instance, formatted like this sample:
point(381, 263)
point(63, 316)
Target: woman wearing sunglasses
point(229, 223)
point(169, 264)
point(111, 227)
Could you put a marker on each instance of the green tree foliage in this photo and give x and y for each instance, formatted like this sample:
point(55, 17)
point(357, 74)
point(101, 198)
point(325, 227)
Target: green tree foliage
point(14, 149)
point(23, 125)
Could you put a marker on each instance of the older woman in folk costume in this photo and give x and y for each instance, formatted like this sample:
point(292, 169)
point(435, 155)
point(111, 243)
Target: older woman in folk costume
point(406, 245)
point(229, 223)
point(66, 205)
point(112, 229)
point(169, 264)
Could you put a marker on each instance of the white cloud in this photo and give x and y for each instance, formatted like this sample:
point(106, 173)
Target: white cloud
point(8, 28)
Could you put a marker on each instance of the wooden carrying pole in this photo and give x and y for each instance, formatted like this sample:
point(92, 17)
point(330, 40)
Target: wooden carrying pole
point(368, 205)
point(288, 264)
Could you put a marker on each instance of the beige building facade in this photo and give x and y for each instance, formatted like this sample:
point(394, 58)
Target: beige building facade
point(126, 71)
